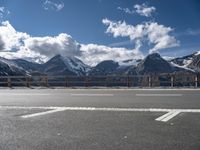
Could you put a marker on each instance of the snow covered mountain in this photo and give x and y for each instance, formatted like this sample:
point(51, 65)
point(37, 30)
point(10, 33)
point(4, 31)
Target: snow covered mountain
point(155, 64)
point(60, 65)
point(10, 68)
point(26, 65)
point(107, 67)
point(191, 61)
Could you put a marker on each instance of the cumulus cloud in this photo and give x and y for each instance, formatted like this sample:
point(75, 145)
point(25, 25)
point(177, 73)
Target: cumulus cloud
point(17, 44)
point(159, 35)
point(11, 38)
point(144, 9)
point(154, 33)
point(50, 5)
point(50, 46)
point(2, 44)
point(93, 54)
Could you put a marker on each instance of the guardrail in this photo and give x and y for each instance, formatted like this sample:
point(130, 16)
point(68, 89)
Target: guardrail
point(162, 80)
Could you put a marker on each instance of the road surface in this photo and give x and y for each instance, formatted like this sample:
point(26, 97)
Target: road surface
point(99, 119)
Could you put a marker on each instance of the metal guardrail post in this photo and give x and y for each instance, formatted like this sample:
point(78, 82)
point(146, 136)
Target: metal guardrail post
point(128, 81)
point(196, 81)
point(9, 82)
point(106, 81)
point(172, 81)
point(66, 82)
point(27, 82)
point(149, 81)
point(85, 82)
point(46, 81)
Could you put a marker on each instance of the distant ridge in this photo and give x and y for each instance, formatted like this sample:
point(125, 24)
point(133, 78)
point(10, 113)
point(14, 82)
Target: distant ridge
point(60, 65)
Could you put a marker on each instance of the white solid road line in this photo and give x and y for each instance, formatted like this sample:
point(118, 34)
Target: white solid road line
point(159, 95)
point(90, 94)
point(171, 113)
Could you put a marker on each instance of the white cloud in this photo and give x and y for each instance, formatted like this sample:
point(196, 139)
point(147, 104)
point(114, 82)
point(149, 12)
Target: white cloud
point(193, 32)
point(144, 9)
point(2, 9)
point(155, 34)
point(15, 44)
point(121, 29)
point(49, 5)
point(3, 12)
point(11, 38)
point(2, 44)
point(93, 54)
point(126, 10)
point(50, 46)
point(159, 35)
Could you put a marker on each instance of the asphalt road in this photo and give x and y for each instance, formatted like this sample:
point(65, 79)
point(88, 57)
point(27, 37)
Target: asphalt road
point(99, 119)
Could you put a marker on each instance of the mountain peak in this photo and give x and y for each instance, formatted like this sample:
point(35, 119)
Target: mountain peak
point(154, 63)
point(65, 65)
point(154, 56)
point(105, 67)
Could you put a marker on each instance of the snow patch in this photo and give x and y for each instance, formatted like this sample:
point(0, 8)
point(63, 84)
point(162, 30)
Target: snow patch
point(75, 64)
point(183, 67)
point(197, 53)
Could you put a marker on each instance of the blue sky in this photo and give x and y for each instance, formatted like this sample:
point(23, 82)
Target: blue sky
point(82, 20)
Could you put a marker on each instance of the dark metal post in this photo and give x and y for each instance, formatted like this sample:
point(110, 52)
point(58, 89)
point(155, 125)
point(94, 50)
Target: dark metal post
point(27, 82)
point(149, 81)
point(86, 82)
point(9, 81)
point(46, 81)
point(66, 82)
point(172, 81)
point(128, 81)
point(106, 83)
point(196, 81)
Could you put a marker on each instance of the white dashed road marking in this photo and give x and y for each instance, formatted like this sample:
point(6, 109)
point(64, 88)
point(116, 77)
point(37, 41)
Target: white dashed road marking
point(171, 113)
point(23, 94)
point(159, 95)
point(90, 95)
point(166, 117)
point(43, 113)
